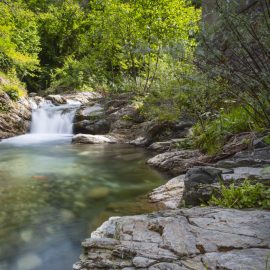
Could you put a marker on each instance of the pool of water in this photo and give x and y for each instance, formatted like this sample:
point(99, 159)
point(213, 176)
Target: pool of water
point(53, 193)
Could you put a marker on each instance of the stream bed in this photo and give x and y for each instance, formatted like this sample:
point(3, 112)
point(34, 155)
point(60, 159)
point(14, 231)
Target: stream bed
point(53, 193)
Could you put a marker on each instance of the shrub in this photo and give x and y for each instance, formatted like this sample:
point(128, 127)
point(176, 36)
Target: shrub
point(246, 195)
point(14, 91)
point(212, 136)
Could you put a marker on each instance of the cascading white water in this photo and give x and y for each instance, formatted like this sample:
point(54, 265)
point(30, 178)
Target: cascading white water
point(50, 119)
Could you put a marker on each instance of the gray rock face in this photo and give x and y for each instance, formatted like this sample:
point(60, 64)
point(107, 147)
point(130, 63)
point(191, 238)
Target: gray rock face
point(93, 139)
point(170, 194)
point(200, 183)
point(177, 162)
point(257, 157)
point(56, 99)
point(89, 112)
point(197, 238)
point(91, 127)
point(14, 116)
point(166, 145)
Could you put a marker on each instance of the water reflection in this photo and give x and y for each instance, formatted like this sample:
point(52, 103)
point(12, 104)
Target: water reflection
point(53, 193)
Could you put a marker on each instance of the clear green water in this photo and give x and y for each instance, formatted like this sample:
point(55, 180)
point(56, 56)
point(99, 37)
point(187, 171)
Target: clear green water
point(53, 193)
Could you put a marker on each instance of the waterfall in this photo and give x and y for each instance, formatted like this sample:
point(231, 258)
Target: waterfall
point(50, 119)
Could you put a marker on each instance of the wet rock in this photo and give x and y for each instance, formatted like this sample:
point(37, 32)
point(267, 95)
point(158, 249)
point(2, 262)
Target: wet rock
point(56, 99)
point(140, 141)
point(177, 162)
point(93, 139)
point(29, 262)
point(100, 127)
point(93, 112)
point(180, 239)
point(66, 215)
point(170, 194)
point(26, 236)
point(98, 193)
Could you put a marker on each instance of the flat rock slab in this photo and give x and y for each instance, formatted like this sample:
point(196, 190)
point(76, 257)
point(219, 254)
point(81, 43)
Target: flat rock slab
point(93, 139)
point(196, 238)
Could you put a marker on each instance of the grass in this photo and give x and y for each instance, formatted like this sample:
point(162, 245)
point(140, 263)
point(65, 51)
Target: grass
point(247, 195)
point(212, 137)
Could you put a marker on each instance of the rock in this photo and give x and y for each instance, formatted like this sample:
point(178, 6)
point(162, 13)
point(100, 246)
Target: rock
point(237, 143)
point(200, 184)
point(98, 193)
point(170, 194)
point(140, 141)
point(248, 158)
point(166, 145)
point(100, 127)
point(14, 116)
point(93, 139)
point(241, 173)
point(93, 112)
point(193, 238)
point(83, 97)
point(56, 99)
point(32, 94)
point(29, 262)
point(177, 162)
point(253, 258)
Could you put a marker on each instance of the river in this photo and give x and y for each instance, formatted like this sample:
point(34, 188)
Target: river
point(53, 193)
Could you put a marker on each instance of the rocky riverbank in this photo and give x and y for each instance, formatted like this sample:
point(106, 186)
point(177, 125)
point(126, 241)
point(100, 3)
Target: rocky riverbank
point(176, 237)
point(196, 238)
point(14, 116)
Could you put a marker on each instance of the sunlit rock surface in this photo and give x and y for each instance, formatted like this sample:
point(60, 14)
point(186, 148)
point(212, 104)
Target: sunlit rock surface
point(197, 238)
point(93, 139)
point(14, 116)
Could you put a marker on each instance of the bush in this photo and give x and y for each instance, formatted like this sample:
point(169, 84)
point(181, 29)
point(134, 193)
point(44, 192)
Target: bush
point(243, 196)
point(14, 91)
point(212, 136)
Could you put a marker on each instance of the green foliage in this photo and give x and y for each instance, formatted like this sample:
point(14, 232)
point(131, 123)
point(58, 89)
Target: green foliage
point(246, 195)
point(19, 40)
point(14, 91)
point(235, 49)
point(266, 139)
point(211, 136)
point(126, 41)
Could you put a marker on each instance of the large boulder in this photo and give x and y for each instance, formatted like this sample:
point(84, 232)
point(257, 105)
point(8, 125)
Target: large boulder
point(200, 183)
point(56, 99)
point(197, 238)
point(90, 112)
point(93, 139)
point(101, 127)
point(177, 162)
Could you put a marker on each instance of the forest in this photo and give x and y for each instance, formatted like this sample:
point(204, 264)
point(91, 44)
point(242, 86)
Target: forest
point(161, 52)
point(153, 108)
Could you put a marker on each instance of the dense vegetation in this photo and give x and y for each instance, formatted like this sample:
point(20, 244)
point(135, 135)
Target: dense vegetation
point(171, 62)
point(246, 195)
